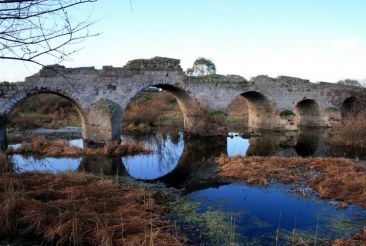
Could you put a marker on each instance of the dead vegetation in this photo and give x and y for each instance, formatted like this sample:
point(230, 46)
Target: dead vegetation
point(139, 113)
point(81, 209)
point(351, 132)
point(358, 239)
point(337, 178)
point(44, 110)
point(43, 147)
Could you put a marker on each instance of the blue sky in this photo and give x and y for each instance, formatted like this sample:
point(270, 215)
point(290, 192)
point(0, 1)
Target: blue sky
point(320, 40)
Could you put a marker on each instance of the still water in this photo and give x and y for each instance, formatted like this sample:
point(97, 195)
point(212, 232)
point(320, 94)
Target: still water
point(226, 212)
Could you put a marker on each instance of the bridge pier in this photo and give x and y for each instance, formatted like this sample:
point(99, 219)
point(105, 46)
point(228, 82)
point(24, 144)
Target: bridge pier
point(103, 124)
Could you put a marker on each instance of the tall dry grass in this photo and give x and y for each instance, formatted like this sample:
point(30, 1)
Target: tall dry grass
point(44, 110)
point(337, 178)
point(43, 147)
point(357, 239)
point(80, 209)
point(151, 108)
point(351, 132)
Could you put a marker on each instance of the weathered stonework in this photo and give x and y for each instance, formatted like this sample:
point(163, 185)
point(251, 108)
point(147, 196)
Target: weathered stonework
point(313, 104)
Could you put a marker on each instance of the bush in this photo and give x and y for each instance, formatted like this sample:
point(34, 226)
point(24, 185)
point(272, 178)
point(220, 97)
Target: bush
point(286, 113)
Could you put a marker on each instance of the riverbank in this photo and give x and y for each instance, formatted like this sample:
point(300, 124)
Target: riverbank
point(338, 178)
point(43, 147)
point(79, 209)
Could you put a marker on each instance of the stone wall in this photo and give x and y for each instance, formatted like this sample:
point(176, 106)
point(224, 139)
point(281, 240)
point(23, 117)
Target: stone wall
point(200, 98)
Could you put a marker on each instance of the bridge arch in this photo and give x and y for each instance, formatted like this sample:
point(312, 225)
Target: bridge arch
point(194, 111)
point(350, 107)
point(307, 113)
point(33, 93)
point(261, 110)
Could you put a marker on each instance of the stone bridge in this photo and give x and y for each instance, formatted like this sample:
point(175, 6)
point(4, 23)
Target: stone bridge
point(101, 96)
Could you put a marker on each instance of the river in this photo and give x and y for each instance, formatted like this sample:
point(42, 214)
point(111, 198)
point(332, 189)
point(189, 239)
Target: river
point(226, 211)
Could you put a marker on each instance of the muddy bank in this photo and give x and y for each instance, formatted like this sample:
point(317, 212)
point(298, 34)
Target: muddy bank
point(43, 147)
point(337, 178)
point(16, 136)
point(80, 209)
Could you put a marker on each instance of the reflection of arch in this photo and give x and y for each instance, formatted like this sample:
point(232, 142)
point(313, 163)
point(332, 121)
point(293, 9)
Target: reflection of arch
point(307, 113)
point(350, 107)
point(196, 153)
point(307, 142)
point(108, 166)
point(260, 110)
point(265, 145)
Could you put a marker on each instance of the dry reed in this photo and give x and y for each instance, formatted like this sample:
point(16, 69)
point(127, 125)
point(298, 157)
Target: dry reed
point(358, 239)
point(337, 178)
point(43, 147)
point(351, 132)
point(81, 209)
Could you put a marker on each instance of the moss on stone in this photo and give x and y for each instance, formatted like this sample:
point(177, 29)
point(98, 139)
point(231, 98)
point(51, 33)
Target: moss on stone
point(287, 113)
point(107, 107)
point(219, 78)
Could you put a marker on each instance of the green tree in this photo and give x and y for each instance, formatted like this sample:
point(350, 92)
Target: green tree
point(202, 66)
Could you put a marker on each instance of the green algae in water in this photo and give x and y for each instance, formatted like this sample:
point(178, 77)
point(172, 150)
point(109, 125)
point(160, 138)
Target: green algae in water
point(259, 212)
point(215, 226)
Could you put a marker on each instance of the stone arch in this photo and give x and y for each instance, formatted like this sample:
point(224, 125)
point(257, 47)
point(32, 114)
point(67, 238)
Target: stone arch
point(307, 113)
point(261, 111)
point(24, 96)
point(195, 114)
point(350, 107)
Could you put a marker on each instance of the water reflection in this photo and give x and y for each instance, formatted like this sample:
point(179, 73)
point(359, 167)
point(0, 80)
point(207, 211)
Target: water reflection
point(166, 151)
point(258, 212)
point(23, 163)
point(176, 157)
point(102, 166)
point(187, 162)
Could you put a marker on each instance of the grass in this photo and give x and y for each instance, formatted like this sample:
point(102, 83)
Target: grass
point(351, 132)
point(81, 209)
point(337, 178)
point(139, 113)
point(358, 239)
point(43, 147)
point(44, 110)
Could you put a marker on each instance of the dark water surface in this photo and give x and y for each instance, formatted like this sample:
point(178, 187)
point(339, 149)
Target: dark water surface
point(228, 212)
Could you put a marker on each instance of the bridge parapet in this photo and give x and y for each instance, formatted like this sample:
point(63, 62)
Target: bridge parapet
point(217, 79)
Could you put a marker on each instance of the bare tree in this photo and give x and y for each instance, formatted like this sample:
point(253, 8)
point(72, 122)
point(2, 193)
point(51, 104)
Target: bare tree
point(351, 82)
point(32, 29)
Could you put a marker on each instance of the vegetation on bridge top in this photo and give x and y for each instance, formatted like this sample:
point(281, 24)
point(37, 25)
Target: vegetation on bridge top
point(219, 78)
point(155, 63)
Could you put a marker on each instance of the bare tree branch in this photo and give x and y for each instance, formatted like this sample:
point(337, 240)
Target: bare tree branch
point(32, 29)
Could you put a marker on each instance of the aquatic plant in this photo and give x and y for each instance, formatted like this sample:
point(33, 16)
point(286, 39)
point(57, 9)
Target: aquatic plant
point(215, 227)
